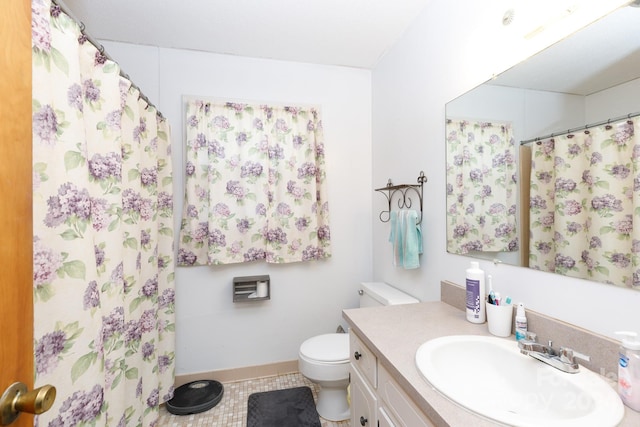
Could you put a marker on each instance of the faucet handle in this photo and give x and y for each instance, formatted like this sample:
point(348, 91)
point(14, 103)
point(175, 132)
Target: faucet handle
point(568, 355)
point(531, 336)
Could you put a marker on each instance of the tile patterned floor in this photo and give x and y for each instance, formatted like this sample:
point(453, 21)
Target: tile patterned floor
point(232, 409)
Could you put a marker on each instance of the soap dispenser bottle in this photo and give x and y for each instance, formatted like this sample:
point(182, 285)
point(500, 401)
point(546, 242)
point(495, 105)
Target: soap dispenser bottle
point(475, 294)
point(629, 370)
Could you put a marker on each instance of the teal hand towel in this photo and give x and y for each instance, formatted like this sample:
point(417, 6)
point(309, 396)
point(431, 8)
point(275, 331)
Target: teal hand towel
point(395, 237)
point(406, 239)
point(412, 240)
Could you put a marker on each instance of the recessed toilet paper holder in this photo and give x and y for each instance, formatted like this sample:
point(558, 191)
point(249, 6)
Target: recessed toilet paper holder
point(251, 288)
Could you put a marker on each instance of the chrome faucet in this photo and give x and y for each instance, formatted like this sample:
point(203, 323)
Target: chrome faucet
point(563, 359)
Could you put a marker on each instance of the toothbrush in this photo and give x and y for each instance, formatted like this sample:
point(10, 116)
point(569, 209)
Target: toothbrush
point(492, 296)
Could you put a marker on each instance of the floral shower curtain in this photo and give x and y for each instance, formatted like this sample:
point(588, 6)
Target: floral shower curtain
point(481, 187)
point(103, 239)
point(585, 202)
point(255, 185)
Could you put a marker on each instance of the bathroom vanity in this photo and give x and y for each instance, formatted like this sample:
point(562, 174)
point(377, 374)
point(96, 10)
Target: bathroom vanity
point(376, 398)
point(386, 386)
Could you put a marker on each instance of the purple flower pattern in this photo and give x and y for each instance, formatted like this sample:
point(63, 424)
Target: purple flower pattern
point(46, 125)
point(274, 168)
point(48, 350)
point(80, 408)
point(46, 263)
point(586, 197)
point(481, 183)
point(103, 172)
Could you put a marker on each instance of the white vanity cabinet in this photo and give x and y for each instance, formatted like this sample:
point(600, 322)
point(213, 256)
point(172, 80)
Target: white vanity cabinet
point(364, 379)
point(377, 400)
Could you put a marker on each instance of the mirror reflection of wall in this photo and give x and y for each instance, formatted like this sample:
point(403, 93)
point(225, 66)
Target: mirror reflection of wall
point(529, 112)
point(589, 77)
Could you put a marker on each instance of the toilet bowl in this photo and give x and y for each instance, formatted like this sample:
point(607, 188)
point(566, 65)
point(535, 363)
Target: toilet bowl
point(324, 360)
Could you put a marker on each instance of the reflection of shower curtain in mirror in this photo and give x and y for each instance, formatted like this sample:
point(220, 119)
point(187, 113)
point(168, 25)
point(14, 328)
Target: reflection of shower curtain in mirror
point(585, 198)
point(481, 187)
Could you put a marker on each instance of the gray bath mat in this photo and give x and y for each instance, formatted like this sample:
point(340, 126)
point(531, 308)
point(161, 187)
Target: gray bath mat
point(292, 407)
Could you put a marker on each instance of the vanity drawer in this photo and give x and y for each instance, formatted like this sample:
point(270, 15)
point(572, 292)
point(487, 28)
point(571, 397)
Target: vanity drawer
point(363, 359)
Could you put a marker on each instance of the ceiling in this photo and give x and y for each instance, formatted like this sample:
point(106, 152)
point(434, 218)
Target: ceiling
point(354, 33)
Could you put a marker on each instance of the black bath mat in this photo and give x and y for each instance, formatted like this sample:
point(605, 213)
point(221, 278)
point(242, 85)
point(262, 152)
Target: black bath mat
point(292, 407)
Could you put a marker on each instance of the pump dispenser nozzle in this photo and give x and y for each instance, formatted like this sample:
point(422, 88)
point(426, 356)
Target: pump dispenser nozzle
point(631, 342)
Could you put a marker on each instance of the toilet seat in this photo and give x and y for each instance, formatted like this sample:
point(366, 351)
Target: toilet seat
point(326, 349)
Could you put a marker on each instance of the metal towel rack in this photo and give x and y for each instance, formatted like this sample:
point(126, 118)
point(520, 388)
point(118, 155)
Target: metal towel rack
point(404, 202)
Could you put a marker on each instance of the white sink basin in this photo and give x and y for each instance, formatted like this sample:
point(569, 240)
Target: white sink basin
point(490, 377)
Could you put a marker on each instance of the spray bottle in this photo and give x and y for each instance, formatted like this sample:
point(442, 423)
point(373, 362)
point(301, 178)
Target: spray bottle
point(521, 322)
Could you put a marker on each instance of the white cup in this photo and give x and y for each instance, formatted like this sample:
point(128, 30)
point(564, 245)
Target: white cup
point(500, 319)
point(261, 289)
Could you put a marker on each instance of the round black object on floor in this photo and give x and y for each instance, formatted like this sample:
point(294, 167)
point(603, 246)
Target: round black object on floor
point(195, 397)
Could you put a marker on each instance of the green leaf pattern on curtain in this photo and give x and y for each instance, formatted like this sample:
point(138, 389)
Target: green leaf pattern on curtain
point(585, 201)
point(255, 185)
point(103, 235)
point(481, 187)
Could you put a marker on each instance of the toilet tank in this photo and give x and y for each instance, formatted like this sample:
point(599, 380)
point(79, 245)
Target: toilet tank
point(375, 294)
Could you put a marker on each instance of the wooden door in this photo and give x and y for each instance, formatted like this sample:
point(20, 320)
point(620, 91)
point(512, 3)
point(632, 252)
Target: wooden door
point(16, 246)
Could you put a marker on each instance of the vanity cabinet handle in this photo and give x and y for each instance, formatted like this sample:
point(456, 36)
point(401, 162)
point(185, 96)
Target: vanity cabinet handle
point(363, 421)
point(357, 355)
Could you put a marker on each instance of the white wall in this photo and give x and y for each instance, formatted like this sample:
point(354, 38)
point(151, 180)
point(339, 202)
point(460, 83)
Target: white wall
point(451, 48)
point(306, 298)
point(614, 102)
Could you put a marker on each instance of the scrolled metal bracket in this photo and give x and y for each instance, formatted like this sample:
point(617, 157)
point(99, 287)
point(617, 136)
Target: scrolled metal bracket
point(404, 201)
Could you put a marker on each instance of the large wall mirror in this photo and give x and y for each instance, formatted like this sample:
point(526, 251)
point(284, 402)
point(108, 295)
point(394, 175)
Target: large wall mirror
point(516, 191)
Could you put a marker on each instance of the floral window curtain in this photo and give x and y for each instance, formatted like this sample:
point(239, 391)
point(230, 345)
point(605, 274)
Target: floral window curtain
point(103, 239)
point(481, 187)
point(255, 185)
point(584, 204)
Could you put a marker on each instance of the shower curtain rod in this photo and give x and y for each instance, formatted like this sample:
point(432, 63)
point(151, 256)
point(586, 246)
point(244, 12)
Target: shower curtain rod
point(604, 122)
point(64, 8)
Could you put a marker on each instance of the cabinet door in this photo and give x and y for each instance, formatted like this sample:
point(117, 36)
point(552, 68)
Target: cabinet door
point(384, 420)
point(398, 404)
point(363, 402)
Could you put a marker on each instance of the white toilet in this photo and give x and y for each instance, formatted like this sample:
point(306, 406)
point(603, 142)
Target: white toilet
point(324, 359)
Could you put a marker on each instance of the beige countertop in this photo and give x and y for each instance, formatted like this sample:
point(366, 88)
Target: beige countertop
point(394, 334)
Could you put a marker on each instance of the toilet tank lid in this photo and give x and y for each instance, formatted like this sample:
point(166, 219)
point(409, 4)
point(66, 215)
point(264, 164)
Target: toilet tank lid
point(386, 294)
